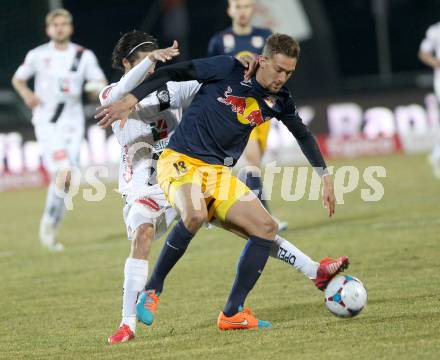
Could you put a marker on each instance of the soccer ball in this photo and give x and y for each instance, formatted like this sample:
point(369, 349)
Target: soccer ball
point(345, 296)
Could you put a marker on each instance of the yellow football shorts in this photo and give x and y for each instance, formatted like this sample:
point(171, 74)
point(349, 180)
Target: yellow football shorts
point(220, 188)
point(260, 134)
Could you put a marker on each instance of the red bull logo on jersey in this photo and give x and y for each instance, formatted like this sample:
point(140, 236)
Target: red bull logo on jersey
point(247, 108)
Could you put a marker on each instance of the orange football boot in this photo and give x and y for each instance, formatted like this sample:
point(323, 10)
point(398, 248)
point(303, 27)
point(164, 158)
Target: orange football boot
point(242, 320)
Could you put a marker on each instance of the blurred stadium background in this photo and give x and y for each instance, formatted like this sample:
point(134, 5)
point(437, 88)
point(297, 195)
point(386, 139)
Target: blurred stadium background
point(361, 89)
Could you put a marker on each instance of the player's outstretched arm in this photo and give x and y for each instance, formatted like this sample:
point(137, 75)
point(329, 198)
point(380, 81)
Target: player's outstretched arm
point(202, 70)
point(120, 110)
point(135, 75)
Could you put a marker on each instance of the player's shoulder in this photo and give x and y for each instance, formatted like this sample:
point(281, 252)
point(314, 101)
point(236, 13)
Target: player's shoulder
point(260, 31)
point(179, 85)
point(229, 62)
point(220, 34)
point(87, 54)
point(79, 48)
point(434, 30)
point(218, 60)
point(40, 49)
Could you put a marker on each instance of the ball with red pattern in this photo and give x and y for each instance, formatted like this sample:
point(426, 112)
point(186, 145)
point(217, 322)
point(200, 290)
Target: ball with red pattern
point(345, 296)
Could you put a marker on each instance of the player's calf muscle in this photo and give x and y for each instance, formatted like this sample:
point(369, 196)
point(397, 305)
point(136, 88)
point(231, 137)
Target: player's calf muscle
point(141, 245)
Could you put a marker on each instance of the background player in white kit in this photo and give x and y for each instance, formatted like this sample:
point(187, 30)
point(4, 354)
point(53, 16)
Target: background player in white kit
point(429, 54)
point(60, 68)
point(146, 213)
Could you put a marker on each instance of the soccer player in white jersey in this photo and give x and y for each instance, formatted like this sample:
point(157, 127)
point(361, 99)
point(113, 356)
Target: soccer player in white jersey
point(429, 54)
point(60, 68)
point(146, 213)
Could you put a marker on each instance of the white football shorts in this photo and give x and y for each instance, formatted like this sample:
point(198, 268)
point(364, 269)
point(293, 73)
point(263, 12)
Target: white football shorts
point(150, 208)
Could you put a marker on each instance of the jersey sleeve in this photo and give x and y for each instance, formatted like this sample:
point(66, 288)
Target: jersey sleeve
point(429, 42)
point(92, 70)
point(174, 95)
point(29, 67)
point(214, 68)
point(214, 46)
point(128, 82)
point(268, 33)
point(305, 138)
point(202, 70)
point(182, 93)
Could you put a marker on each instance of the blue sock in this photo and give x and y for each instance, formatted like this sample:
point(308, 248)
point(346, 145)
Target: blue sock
point(254, 183)
point(251, 265)
point(174, 247)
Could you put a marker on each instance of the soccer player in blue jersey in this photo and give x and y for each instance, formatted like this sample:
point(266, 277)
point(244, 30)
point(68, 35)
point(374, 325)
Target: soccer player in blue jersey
point(239, 40)
point(194, 170)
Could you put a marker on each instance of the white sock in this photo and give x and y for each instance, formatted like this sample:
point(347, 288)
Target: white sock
point(287, 252)
point(55, 209)
point(135, 278)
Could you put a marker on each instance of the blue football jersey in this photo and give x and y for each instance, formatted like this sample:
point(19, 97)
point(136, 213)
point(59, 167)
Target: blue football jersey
point(217, 125)
point(227, 42)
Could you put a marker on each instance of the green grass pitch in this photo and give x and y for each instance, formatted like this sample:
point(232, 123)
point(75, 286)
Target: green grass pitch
point(64, 306)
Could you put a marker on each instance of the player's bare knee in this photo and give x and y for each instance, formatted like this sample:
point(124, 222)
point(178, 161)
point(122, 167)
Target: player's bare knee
point(194, 219)
point(68, 180)
point(63, 179)
point(141, 244)
point(269, 227)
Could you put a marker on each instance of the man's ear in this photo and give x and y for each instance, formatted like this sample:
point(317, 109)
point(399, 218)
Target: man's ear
point(126, 63)
point(262, 60)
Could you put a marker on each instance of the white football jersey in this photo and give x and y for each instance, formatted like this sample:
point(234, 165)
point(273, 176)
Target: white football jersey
point(59, 79)
point(147, 132)
point(431, 43)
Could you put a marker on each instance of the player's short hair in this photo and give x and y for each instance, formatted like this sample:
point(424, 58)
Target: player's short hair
point(58, 12)
point(281, 44)
point(129, 45)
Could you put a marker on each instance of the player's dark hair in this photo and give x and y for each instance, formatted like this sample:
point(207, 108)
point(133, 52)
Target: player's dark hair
point(128, 47)
point(281, 44)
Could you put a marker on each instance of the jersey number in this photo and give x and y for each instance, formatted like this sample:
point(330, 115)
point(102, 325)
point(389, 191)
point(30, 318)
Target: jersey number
point(180, 167)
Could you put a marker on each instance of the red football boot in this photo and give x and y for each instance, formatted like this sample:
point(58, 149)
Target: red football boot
point(328, 269)
point(123, 334)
